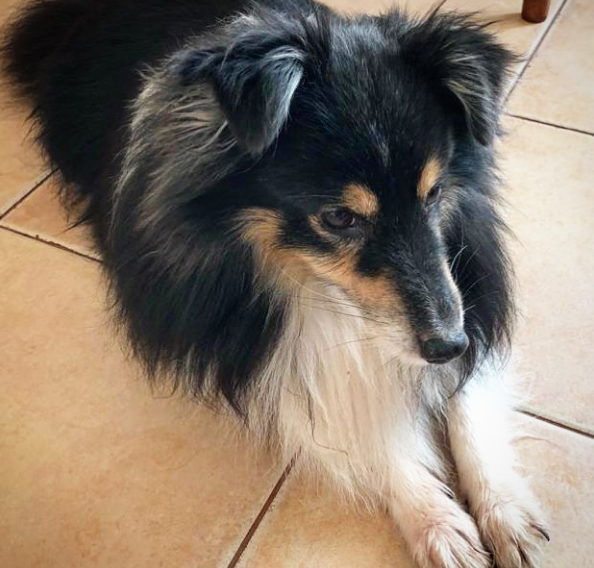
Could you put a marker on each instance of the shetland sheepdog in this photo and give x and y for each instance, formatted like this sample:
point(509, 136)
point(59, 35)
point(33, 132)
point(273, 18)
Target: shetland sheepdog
point(299, 218)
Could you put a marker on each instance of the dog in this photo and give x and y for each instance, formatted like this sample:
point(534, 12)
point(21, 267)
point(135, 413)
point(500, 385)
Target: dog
point(298, 214)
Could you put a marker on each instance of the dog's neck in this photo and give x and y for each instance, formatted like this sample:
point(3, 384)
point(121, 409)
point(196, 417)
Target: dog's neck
point(340, 379)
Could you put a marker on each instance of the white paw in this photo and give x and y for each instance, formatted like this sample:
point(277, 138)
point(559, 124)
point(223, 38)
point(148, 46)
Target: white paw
point(512, 528)
point(449, 539)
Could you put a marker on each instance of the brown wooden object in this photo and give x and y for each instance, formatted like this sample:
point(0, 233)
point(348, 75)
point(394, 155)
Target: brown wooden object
point(535, 11)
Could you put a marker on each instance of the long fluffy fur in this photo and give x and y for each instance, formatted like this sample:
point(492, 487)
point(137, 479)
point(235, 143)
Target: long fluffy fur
point(203, 137)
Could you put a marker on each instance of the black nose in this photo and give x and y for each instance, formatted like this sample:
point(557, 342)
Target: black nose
point(444, 348)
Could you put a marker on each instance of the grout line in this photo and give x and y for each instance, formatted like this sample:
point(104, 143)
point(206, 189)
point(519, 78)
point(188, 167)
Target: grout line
point(28, 192)
point(552, 125)
point(558, 424)
point(260, 517)
point(519, 76)
point(59, 246)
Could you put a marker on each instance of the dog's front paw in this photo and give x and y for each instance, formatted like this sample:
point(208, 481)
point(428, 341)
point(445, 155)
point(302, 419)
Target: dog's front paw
point(449, 540)
point(512, 528)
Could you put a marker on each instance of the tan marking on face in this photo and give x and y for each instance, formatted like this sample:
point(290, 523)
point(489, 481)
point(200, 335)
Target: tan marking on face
point(316, 225)
point(377, 292)
point(361, 200)
point(262, 229)
point(261, 226)
point(429, 177)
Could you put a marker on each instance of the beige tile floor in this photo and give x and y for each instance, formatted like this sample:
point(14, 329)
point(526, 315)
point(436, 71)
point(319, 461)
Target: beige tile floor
point(96, 470)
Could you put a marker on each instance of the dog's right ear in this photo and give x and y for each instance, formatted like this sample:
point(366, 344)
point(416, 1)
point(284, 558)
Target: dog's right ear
point(254, 72)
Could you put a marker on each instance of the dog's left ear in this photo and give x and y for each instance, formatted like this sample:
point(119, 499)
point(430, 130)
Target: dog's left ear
point(254, 67)
point(461, 56)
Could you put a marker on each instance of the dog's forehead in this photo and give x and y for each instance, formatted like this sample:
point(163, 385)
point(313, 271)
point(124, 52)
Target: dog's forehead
point(382, 140)
point(385, 111)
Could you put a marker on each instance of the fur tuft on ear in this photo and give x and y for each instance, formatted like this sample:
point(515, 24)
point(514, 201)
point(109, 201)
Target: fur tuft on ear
point(254, 72)
point(467, 61)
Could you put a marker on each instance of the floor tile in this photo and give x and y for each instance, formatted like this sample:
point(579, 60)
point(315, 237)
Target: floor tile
point(558, 86)
point(41, 215)
point(560, 464)
point(311, 528)
point(379, 6)
point(549, 173)
point(522, 37)
point(97, 471)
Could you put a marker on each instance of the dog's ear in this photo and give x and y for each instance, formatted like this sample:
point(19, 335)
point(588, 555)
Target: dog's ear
point(459, 55)
point(254, 68)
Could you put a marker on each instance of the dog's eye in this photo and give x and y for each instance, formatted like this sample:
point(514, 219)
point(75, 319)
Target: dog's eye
point(434, 194)
point(339, 219)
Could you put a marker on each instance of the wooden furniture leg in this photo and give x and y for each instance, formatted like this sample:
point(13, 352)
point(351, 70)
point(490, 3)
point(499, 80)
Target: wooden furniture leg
point(535, 11)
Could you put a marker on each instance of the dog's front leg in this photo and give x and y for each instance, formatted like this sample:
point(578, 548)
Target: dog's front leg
point(439, 533)
point(507, 514)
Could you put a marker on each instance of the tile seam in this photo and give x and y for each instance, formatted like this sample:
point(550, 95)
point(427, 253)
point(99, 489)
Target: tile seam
point(551, 124)
point(40, 181)
point(535, 50)
point(245, 542)
point(53, 244)
point(556, 422)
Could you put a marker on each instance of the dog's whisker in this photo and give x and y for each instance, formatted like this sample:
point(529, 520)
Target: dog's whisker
point(476, 283)
point(360, 340)
point(468, 260)
point(456, 258)
point(350, 315)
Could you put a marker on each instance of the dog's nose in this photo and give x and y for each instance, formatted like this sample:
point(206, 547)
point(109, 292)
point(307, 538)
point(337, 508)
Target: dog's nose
point(443, 348)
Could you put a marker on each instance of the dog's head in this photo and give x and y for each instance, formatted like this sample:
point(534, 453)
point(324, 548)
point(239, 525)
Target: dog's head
point(286, 148)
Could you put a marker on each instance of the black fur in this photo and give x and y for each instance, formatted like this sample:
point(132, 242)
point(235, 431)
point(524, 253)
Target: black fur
point(313, 101)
